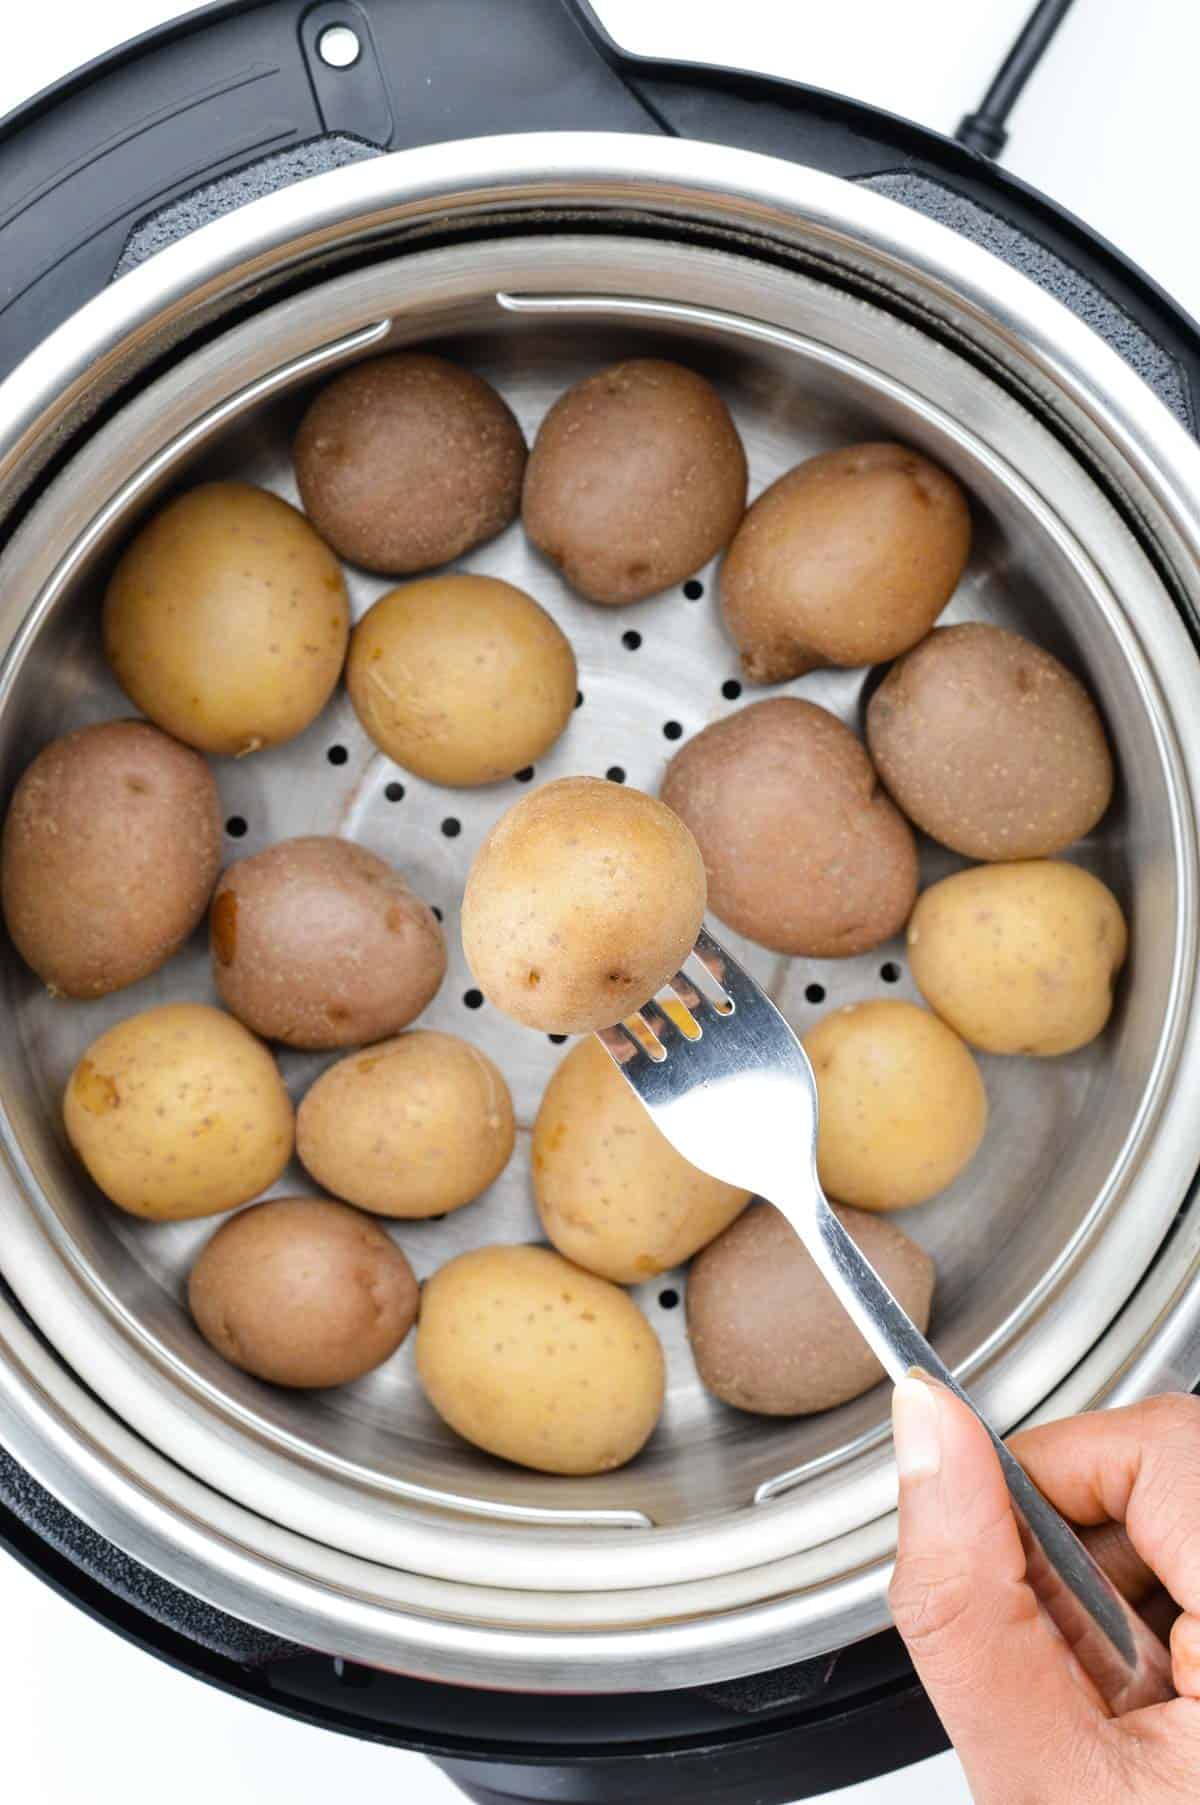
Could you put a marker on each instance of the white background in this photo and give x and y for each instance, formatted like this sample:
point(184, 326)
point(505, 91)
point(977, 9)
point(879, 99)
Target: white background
point(1107, 128)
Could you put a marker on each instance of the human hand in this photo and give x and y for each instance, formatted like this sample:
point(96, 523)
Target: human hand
point(1029, 1726)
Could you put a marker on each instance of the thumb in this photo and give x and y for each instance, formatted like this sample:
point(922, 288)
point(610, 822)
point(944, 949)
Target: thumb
point(1006, 1687)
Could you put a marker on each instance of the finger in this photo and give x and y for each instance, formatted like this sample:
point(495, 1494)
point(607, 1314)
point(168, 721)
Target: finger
point(1185, 1656)
point(1004, 1683)
point(1140, 1467)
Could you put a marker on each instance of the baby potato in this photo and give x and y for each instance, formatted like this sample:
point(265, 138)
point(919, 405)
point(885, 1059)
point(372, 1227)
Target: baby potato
point(111, 848)
point(318, 943)
point(583, 900)
point(416, 1126)
point(1019, 958)
point(990, 745)
point(612, 1193)
point(767, 1332)
point(637, 477)
point(179, 1112)
point(902, 1104)
point(304, 1292)
point(803, 851)
point(550, 1367)
point(848, 559)
point(227, 620)
point(462, 679)
point(407, 461)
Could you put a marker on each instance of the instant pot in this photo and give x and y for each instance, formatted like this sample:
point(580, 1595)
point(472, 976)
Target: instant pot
point(193, 232)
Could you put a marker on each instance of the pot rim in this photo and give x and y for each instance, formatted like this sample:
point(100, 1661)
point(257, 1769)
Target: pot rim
point(1101, 401)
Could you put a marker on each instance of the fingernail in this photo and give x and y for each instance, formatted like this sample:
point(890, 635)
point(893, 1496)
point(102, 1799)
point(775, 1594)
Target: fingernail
point(916, 1427)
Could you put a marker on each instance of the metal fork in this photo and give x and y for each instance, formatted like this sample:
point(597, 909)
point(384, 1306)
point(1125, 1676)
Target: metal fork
point(729, 1085)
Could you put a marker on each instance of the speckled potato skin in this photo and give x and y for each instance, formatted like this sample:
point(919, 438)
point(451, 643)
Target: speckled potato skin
point(902, 1104)
point(768, 1334)
point(416, 1126)
point(303, 1292)
point(407, 461)
point(612, 1193)
point(179, 1112)
point(848, 559)
point(111, 848)
point(637, 477)
point(532, 1359)
point(227, 620)
point(583, 900)
point(318, 943)
point(1019, 958)
point(804, 852)
point(462, 679)
point(990, 745)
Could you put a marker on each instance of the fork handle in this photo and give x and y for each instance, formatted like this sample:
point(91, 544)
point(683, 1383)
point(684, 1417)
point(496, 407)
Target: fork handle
point(1128, 1664)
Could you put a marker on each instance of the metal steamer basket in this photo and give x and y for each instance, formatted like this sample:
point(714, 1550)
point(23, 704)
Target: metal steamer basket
point(352, 1522)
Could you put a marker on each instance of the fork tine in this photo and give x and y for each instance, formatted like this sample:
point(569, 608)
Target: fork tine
point(663, 1026)
point(622, 1048)
point(721, 965)
point(688, 998)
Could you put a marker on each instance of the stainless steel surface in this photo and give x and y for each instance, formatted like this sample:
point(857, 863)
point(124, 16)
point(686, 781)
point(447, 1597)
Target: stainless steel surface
point(728, 1083)
point(356, 1514)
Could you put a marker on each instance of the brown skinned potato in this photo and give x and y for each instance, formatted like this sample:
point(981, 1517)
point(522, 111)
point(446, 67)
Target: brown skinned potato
point(990, 745)
point(111, 848)
point(612, 1193)
point(767, 1332)
point(416, 1126)
point(1019, 958)
point(318, 943)
point(462, 679)
point(227, 619)
point(848, 559)
point(407, 461)
point(531, 1358)
point(583, 900)
point(804, 852)
point(637, 477)
point(303, 1292)
point(179, 1112)
point(902, 1105)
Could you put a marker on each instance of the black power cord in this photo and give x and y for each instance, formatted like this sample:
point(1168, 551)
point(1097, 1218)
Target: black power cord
point(984, 130)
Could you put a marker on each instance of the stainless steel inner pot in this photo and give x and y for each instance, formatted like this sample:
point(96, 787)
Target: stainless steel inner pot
point(352, 1520)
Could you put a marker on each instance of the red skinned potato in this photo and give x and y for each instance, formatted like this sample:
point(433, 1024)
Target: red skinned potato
point(637, 477)
point(111, 848)
point(990, 745)
point(848, 559)
point(303, 1292)
point(767, 1332)
point(804, 852)
point(407, 461)
point(318, 943)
